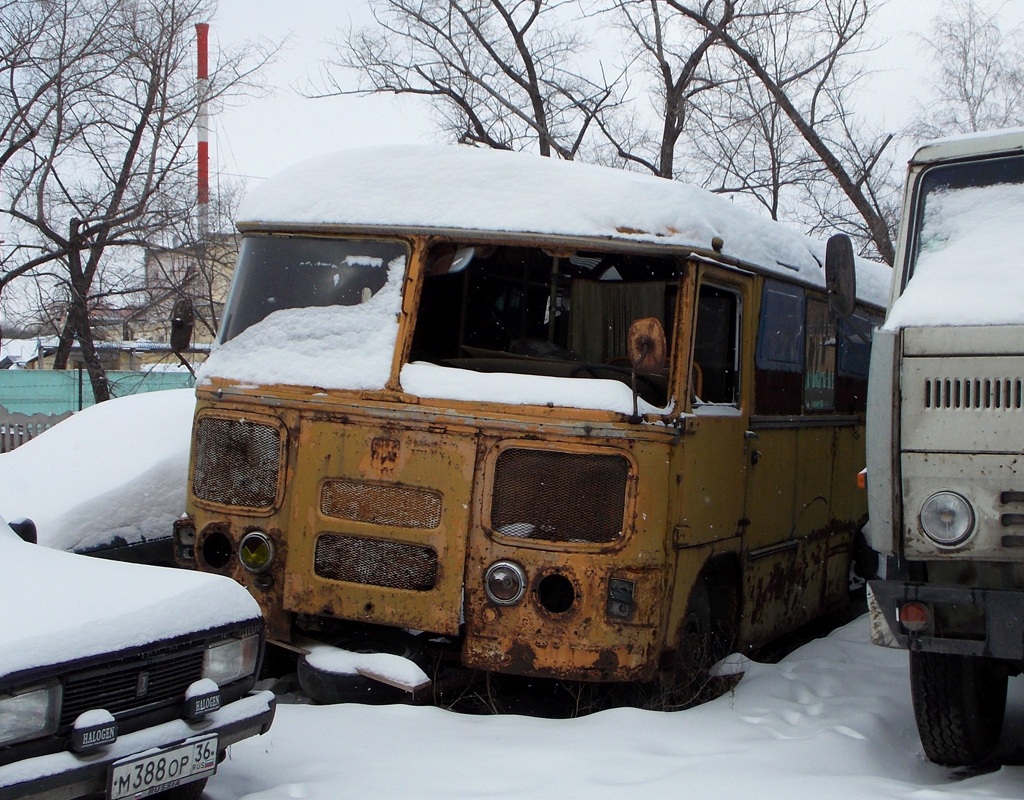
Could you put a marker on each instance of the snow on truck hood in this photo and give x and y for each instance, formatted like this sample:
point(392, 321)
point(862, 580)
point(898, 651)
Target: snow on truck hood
point(477, 189)
point(60, 606)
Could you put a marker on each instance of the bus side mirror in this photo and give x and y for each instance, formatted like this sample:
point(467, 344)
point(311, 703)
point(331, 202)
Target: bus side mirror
point(26, 529)
point(646, 345)
point(840, 275)
point(182, 321)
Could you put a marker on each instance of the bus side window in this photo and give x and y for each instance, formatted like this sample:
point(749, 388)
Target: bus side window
point(854, 338)
point(716, 345)
point(779, 361)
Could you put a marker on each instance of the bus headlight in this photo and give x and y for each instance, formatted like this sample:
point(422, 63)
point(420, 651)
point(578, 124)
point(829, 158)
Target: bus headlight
point(947, 518)
point(505, 583)
point(256, 551)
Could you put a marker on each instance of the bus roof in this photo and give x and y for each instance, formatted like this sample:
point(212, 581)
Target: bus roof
point(467, 190)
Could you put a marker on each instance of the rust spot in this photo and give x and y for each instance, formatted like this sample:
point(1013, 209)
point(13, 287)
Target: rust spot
point(384, 453)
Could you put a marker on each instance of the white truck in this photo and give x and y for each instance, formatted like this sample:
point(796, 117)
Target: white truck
point(945, 442)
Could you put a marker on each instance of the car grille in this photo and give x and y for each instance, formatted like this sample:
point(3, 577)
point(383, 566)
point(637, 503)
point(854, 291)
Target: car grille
point(131, 687)
point(955, 393)
point(376, 562)
point(236, 462)
point(559, 497)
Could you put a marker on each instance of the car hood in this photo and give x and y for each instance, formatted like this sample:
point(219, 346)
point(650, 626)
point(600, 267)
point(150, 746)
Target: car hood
point(61, 607)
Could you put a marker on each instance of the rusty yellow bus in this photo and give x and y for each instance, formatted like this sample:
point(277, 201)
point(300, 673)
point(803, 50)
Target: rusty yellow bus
point(552, 419)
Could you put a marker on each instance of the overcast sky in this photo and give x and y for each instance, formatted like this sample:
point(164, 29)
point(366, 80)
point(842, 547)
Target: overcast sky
point(267, 133)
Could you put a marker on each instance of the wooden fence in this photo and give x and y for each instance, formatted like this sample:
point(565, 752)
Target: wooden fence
point(16, 429)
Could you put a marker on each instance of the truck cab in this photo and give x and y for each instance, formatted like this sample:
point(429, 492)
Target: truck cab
point(945, 443)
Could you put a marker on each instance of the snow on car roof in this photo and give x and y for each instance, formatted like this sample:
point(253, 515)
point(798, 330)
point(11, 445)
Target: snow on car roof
point(471, 189)
point(61, 606)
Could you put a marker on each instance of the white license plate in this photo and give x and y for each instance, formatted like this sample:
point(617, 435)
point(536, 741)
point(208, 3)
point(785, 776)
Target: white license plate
point(141, 776)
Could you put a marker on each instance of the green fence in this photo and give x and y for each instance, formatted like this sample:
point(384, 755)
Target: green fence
point(54, 391)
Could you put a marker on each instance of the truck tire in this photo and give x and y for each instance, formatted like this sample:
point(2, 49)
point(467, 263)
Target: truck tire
point(958, 703)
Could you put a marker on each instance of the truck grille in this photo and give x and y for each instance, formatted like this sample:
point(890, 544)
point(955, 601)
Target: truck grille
point(236, 462)
point(1002, 394)
point(381, 504)
point(131, 687)
point(376, 562)
point(559, 497)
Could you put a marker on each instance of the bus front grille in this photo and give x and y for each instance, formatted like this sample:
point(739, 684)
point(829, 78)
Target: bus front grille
point(969, 394)
point(559, 497)
point(375, 562)
point(381, 504)
point(236, 462)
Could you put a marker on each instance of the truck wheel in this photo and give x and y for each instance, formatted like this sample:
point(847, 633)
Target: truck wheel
point(958, 703)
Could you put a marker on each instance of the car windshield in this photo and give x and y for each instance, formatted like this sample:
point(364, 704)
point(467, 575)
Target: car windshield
point(283, 272)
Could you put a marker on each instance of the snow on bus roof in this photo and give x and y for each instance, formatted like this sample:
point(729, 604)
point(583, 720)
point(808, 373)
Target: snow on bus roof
point(480, 190)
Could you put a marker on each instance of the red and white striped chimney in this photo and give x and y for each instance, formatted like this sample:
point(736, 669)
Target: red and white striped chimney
point(203, 129)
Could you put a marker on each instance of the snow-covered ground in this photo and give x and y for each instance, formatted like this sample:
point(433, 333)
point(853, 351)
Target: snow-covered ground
point(833, 720)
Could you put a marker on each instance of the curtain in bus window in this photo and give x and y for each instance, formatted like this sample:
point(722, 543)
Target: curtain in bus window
point(820, 375)
point(602, 312)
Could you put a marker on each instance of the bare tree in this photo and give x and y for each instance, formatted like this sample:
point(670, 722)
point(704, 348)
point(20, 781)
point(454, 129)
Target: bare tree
point(676, 62)
point(502, 74)
point(980, 81)
point(98, 154)
point(798, 51)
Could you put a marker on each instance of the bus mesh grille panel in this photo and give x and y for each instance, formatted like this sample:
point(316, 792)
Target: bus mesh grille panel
point(375, 562)
point(237, 462)
point(381, 504)
point(559, 497)
point(135, 686)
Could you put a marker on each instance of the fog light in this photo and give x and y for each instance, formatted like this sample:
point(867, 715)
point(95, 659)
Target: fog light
point(914, 616)
point(505, 583)
point(256, 551)
point(947, 518)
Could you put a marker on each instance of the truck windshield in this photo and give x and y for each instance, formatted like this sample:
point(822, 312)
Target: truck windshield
point(948, 190)
point(282, 272)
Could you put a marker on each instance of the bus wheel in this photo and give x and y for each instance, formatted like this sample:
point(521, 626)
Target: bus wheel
point(683, 684)
point(958, 703)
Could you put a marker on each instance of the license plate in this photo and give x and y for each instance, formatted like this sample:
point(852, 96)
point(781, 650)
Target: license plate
point(141, 776)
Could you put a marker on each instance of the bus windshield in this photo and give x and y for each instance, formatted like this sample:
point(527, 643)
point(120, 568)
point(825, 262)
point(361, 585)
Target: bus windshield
point(275, 273)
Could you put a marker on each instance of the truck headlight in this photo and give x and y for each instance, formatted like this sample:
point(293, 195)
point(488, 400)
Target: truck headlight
point(947, 518)
point(29, 714)
point(231, 659)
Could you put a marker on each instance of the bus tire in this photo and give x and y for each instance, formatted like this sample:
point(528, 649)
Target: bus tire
point(329, 688)
point(959, 703)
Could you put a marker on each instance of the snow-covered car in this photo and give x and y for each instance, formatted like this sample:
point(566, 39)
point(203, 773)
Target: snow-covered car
point(120, 680)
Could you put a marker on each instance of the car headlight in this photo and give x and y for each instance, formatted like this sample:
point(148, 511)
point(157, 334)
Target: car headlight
point(947, 518)
point(231, 659)
point(29, 714)
point(505, 583)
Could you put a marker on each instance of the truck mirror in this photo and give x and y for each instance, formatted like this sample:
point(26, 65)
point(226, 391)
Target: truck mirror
point(840, 275)
point(182, 322)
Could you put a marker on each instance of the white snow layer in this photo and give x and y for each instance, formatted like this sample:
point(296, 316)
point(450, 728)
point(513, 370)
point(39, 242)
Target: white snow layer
point(833, 719)
point(60, 607)
point(970, 269)
point(470, 189)
point(116, 469)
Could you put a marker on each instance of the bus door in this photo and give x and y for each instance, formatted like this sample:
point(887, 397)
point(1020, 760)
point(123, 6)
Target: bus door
point(715, 462)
